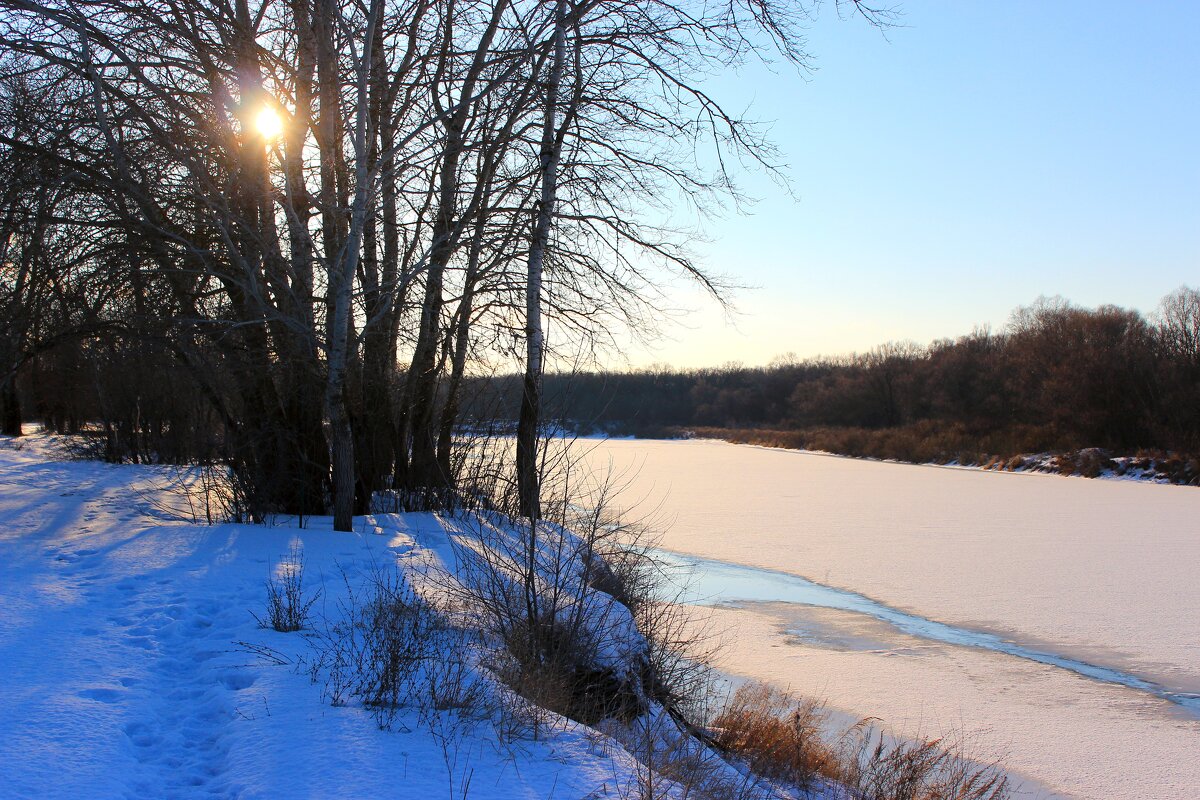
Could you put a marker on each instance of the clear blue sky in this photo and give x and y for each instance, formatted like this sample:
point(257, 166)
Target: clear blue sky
point(981, 155)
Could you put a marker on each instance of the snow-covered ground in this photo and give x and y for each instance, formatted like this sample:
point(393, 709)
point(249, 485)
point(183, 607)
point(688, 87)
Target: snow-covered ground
point(1104, 573)
point(127, 645)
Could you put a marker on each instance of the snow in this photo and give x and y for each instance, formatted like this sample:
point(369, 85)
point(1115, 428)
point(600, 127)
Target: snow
point(133, 663)
point(1102, 572)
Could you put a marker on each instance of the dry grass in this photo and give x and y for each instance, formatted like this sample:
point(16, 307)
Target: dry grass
point(779, 736)
point(783, 738)
point(871, 766)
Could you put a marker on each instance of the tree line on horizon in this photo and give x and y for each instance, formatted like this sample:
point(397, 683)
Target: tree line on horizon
point(277, 234)
point(1058, 377)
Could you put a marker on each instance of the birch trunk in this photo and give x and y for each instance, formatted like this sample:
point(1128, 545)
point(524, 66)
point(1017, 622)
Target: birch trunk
point(528, 488)
point(343, 262)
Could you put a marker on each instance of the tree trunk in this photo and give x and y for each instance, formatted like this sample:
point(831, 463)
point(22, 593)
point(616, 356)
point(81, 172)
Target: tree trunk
point(329, 144)
point(528, 489)
point(458, 366)
point(424, 470)
point(343, 260)
point(375, 440)
point(10, 409)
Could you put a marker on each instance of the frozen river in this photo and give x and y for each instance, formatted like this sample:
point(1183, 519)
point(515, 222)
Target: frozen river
point(1055, 622)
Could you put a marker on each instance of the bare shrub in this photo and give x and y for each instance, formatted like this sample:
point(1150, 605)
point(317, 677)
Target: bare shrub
point(1092, 462)
point(524, 583)
point(209, 493)
point(87, 443)
point(480, 478)
point(572, 602)
point(287, 606)
point(681, 647)
point(389, 649)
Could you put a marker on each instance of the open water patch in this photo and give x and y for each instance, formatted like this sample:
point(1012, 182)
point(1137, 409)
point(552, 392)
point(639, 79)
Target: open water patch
point(710, 582)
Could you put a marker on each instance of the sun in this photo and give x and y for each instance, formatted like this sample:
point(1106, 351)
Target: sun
point(268, 123)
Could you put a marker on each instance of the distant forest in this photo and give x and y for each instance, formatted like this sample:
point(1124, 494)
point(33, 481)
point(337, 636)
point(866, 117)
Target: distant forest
point(1058, 378)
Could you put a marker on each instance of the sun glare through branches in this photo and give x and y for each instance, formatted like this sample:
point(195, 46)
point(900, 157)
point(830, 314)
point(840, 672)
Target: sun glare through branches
point(268, 123)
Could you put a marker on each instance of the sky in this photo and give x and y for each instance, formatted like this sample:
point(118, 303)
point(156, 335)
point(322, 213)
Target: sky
point(968, 161)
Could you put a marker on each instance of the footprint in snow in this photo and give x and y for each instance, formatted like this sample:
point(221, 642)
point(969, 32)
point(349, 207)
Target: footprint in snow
point(101, 695)
point(237, 681)
point(140, 734)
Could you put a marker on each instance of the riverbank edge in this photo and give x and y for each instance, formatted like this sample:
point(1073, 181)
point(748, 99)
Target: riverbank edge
point(1089, 462)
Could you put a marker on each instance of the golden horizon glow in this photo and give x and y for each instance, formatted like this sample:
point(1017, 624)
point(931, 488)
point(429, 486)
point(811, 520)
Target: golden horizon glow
point(268, 123)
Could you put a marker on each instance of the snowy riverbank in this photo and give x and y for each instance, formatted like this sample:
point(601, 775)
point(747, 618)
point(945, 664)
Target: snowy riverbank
point(126, 636)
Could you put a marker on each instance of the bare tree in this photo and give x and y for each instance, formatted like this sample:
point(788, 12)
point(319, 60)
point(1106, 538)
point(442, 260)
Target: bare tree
point(449, 178)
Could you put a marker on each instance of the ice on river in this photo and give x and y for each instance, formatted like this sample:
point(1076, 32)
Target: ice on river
point(1099, 573)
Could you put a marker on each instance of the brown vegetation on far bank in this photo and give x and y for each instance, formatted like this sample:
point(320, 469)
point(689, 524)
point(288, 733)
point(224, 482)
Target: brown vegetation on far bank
point(929, 443)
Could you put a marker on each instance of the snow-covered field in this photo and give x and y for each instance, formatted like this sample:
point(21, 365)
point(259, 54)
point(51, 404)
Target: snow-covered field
point(122, 674)
point(1101, 573)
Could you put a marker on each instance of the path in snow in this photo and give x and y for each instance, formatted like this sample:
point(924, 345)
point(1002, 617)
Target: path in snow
point(113, 676)
point(123, 676)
